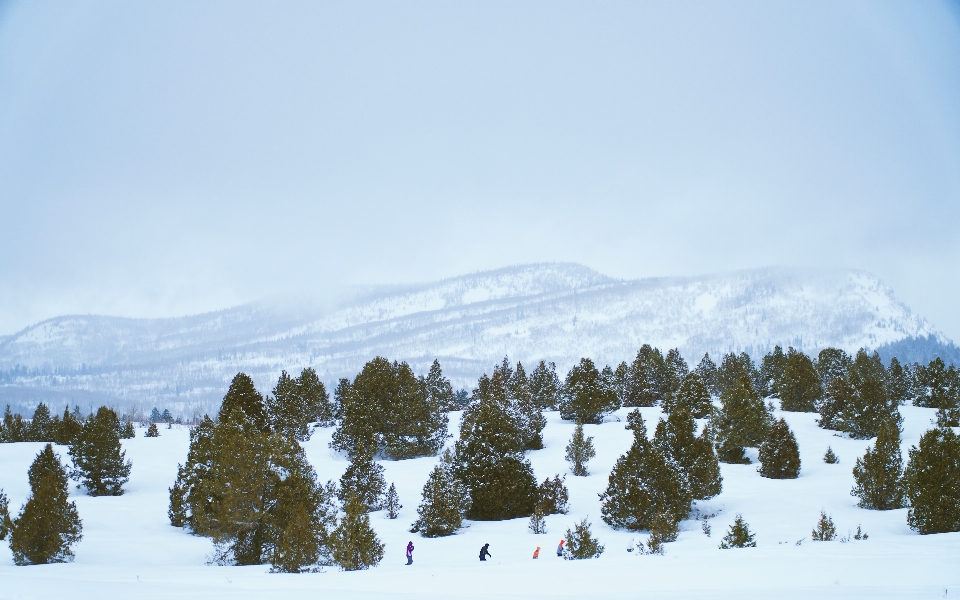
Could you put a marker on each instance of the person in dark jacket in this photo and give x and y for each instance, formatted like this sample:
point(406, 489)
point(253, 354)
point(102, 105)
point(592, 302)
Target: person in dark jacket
point(560, 548)
point(410, 552)
point(485, 552)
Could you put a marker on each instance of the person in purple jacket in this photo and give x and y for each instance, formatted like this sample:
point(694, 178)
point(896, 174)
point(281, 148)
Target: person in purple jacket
point(410, 552)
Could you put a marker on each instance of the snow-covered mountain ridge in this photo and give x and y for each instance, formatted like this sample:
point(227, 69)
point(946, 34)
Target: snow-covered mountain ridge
point(558, 312)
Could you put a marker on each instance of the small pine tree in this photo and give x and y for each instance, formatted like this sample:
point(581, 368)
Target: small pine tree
point(152, 431)
point(878, 475)
point(663, 529)
point(354, 544)
point(97, 457)
point(40, 428)
point(127, 431)
point(830, 458)
point(6, 525)
point(580, 543)
point(538, 524)
point(825, 530)
point(738, 536)
point(553, 498)
point(392, 502)
point(779, 453)
point(363, 481)
point(932, 481)
point(579, 452)
point(48, 524)
point(445, 502)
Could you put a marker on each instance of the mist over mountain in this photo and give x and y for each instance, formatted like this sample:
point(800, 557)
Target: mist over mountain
point(557, 312)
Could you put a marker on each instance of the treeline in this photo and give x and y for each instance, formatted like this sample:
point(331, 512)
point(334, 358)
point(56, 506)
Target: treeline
point(56, 429)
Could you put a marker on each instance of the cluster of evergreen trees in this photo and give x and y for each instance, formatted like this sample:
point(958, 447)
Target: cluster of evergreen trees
point(43, 427)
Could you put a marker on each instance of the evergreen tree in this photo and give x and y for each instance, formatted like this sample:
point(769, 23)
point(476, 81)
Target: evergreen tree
point(97, 457)
point(779, 453)
point(538, 522)
point(878, 476)
point(316, 400)
point(364, 482)
point(644, 375)
point(738, 536)
point(579, 452)
point(40, 428)
point(155, 415)
point(440, 389)
point(288, 410)
point(772, 369)
point(830, 458)
point(676, 439)
point(68, 429)
point(48, 524)
point(244, 403)
point(391, 502)
point(489, 461)
point(732, 369)
point(675, 369)
point(299, 522)
point(127, 431)
point(900, 386)
point(707, 371)
point(152, 431)
point(580, 543)
point(529, 414)
point(799, 387)
point(932, 482)
point(831, 363)
point(354, 543)
point(445, 501)
point(864, 412)
point(553, 498)
point(6, 525)
point(643, 484)
point(839, 393)
point(663, 529)
point(741, 422)
point(825, 531)
point(14, 427)
point(938, 385)
point(693, 395)
point(166, 417)
point(545, 386)
point(587, 396)
point(622, 383)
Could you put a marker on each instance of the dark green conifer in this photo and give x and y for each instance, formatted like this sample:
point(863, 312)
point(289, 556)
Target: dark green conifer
point(738, 536)
point(445, 501)
point(40, 428)
point(244, 403)
point(553, 498)
point(545, 386)
point(354, 544)
point(799, 387)
point(741, 422)
point(675, 369)
point(152, 431)
point(938, 385)
point(48, 524)
point(831, 363)
point(587, 396)
point(870, 406)
point(300, 522)
point(288, 410)
point(676, 438)
point(316, 400)
point(364, 482)
point(68, 428)
point(440, 389)
point(932, 482)
point(579, 452)
point(772, 369)
point(707, 371)
point(97, 456)
point(6, 525)
point(644, 376)
point(779, 453)
point(839, 393)
point(127, 431)
point(825, 531)
point(878, 475)
point(732, 369)
point(391, 502)
point(900, 384)
point(830, 458)
point(580, 543)
point(14, 427)
point(693, 395)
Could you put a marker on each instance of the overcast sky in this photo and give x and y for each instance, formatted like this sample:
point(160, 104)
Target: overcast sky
point(168, 158)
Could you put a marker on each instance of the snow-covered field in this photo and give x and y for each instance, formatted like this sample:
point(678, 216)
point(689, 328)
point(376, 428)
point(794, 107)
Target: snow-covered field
point(129, 549)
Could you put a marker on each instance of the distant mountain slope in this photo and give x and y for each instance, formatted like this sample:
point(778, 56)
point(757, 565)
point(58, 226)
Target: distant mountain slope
point(558, 312)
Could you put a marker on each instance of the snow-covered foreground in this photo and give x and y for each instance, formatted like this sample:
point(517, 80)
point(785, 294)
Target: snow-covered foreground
point(130, 550)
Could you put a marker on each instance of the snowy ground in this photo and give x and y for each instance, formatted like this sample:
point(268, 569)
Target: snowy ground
point(130, 550)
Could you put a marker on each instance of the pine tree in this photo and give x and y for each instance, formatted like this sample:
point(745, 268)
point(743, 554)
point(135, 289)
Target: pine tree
point(932, 482)
point(68, 429)
point(364, 482)
point(839, 393)
point(391, 502)
point(707, 371)
point(40, 428)
point(287, 409)
point(738, 536)
point(938, 385)
point(97, 457)
point(732, 369)
point(553, 498)
point(825, 531)
point(742, 421)
point(545, 386)
point(300, 522)
point(243, 403)
point(830, 458)
point(579, 452)
point(440, 389)
point(779, 453)
point(864, 412)
point(878, 475)
point(644, 376)
point(693, 395)
point(155, 415)
point(14, 427)
point(445, 501)
point(6, 525)
point(48, 524)
point(580, 543)
point(513, 389)
point(538, 522)
point(587, 396)
point(127, 431)
point(354, 543)
point(772, 369)
point(315, 399)
point(676, 439)
point(643, 484)
point(152, 431)
point(799, 387)
point(900, 384)
point(675, 370)
point(831, 363)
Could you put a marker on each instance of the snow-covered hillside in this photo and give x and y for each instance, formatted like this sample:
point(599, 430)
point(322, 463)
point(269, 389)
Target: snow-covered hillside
point(558, 312)
point(130, 550)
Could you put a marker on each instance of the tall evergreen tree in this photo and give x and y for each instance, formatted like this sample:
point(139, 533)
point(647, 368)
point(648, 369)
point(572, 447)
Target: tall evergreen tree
point(741, 422)
point(288, 410)
point(900, 382)
point(97, 456)
point(587, 396)
point(440, 389)
point(675, 369)
point(528, 411)
point(707, 371)
point(772, 369)
point(48, 524)
point(315, 398)
point(799, 386)
point(354, 543)
point(732, 369)
point(41, 426)
point(445, 501)
point(68, 429)
point(692, 395)
point(244, 402)
point(6, 525)
point(391, 502)
point(579, 452)
point(14, 427)
point(878, 475)
point(831, 363)
point(364, 482)
point(300, 522)
point(545, 386)
point(870, 407)
point(553, 498)
point(644, 376)
point(643, 485)
point(932, 482)
point(676, 439)
point(779, 453)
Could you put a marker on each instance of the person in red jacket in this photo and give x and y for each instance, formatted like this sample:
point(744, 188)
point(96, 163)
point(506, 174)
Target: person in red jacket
point(560, 549)
point(536, 553)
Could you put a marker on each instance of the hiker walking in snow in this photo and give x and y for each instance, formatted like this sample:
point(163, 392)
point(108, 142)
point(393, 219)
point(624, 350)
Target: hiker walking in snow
point(536, 553)
point(485, 552)
point(410, 552)
point(560, 549)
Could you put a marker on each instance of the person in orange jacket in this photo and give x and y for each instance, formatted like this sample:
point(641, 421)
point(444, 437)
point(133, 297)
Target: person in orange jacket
point(560, 549)
point(536, 553)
